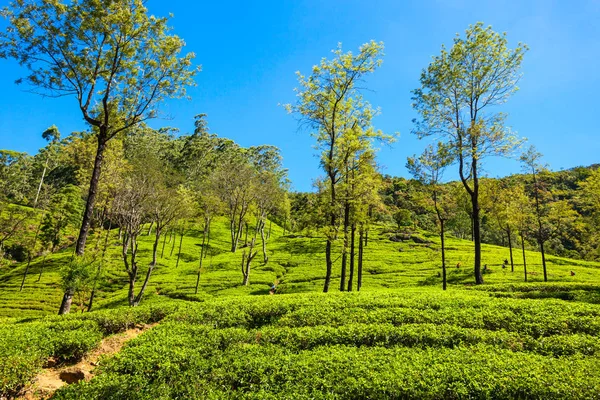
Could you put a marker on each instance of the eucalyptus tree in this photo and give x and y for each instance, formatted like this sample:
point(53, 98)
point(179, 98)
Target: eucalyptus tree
point(52, 136)
point(130, 210)
point(531, 161)
point(429, 169)
point(117, 61)
point(331, 105)
point(456, 100)
point(364, 183)
point(15, 176)
point(271, 187)
point(356, 149)
point(234, 182)
point(590, 200)
point(503, 196)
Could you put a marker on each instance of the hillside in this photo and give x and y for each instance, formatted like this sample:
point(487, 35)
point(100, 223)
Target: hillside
point(295, 261)
point(400, 336)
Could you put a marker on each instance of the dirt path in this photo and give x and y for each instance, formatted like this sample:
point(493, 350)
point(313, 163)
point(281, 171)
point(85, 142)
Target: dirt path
point(52, 378)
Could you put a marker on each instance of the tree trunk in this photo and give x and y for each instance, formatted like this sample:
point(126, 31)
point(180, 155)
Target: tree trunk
point(543, 260)
point(477, 239)
point(174, 235)
point(42, 267)
point(360, 259)
point(345, 246)
point(93, 294)
point(328, 265)
point(351, 275)
point(180, 243)
point(201, 255)
point(512, 264)
point(269, 234)
point(138, 298)
point(209, 220)
point(37, 195)
point(162, 252)
point(65, 306)
point(284, 224)
point(92, 192)
point(37, 231)
point(264, 242)
point(524, 259)
point(150, 228)
point(444, 281)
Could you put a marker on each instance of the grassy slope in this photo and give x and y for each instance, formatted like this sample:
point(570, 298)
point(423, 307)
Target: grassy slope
point(296, 261)
point(418, 341)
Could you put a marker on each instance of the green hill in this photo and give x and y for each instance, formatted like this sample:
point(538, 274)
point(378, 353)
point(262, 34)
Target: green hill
point(401, 336)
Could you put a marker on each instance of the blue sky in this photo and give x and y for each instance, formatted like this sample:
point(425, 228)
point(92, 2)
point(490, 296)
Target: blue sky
point(249, 52)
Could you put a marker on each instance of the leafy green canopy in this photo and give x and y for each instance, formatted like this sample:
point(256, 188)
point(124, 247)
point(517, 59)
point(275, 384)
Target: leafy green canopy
point(117, 61)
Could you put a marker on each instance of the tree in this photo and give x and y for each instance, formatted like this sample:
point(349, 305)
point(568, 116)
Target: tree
point(429, 169)
point(234, 181)
point(117, 61)
point(457, 91)
point(52, 136)
point(271, 184)
point(503, 208)
point(531, 162)
point(64, 209)
point(15, 174)
point(590, 199)
point(130, 210)
point(330, 104)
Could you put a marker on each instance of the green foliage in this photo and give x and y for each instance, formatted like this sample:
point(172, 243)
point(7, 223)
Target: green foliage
point(25, 347)
point(379, 345)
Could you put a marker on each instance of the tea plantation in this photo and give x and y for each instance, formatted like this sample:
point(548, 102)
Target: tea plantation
point(401, 336)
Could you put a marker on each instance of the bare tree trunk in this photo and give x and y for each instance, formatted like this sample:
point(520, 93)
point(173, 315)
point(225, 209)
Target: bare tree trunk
point(93, 294)
point(477, 237)
point(201, 254)
point(264, 242)
point(444, 282)
point(138, 298)
point(65, 306)
point(351, 276)
point(92, 192)
point(37, 195)
point(269, 234)
point(162, 252)
point(512, 264)
point(208, 238)
point(524, 259)
point(543, 260)
point(345, 245)
point(360, 258)
point(37, 231)
point(244, 272)
point(180, 243)
point(42, 267)
point(173, 245)
point(150, 228)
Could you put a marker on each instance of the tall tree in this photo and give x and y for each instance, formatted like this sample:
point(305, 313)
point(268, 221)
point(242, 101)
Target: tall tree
point(531, 160)
point(458, 92)
point(116, 60)
point(429, 169)
point(330, 104)
point(52, 136)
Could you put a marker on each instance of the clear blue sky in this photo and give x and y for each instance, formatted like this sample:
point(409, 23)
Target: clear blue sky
point(249, 52)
